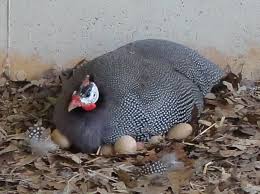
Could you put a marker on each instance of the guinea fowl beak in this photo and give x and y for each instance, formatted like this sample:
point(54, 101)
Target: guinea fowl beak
point(74, 103)
point(72, 106)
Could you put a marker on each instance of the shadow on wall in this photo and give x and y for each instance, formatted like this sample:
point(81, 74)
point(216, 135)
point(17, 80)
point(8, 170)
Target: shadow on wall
point(32, 67)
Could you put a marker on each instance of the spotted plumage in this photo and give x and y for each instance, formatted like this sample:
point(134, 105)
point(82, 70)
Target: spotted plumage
point(145, 88)
point(36, 133)
point(166, 163)
point(157, 167)
point(39, 140)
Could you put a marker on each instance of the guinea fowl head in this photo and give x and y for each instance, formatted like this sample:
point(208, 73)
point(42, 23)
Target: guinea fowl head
point(86, 96)
point(73, 117)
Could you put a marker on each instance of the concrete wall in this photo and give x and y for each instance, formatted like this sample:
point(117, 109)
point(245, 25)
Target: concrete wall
point(48, 32)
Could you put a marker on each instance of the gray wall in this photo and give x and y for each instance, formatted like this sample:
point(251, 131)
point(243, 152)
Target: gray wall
point(47, 32)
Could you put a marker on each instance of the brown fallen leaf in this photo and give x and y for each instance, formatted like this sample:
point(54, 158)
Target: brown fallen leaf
point(21, 189)
point(179, 178)
point(3, 81)
point(39, 164)
point(38, 83)
point(57, 185)
point(195, 192)
point(249, 188)
point(126, 178)
point(230, 153)
point(101, 191)
point(3, 134)
point(145, 186)
point(74, 157)
point(248, 142)
point(7, 157)
point(10, 148)
point(15, 117)
point(27, 160)
point(120, 187)
point(44, 191)
point(83, 187)
point(224, 175)
point(71, 184)
point(19, 136)
point(226, 111)
point(245, 130)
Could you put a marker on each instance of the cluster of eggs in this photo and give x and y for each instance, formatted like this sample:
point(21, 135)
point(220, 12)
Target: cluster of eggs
point(38, 138)
point(127, 144)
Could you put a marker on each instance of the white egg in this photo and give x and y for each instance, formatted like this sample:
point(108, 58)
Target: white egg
point(107, 150)
point(180, 131)
point(60, 139)
point(21, 75)
point(125, 145)
point(210, 96)
point(155, 139)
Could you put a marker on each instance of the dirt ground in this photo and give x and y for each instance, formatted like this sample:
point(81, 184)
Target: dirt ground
point(221, 156)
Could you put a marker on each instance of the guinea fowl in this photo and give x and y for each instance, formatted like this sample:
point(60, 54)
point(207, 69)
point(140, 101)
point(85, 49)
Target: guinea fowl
point(141, 89)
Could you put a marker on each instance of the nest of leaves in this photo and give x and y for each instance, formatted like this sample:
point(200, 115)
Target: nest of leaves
point(221, 156)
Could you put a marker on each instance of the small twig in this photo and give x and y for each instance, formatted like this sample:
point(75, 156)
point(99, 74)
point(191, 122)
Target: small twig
point(195, 186)
point(31, 115)
point(195, 145)
point(102, 175)
point(204, 131)
point(3, 132)
point(93, 160)
point(246, 105)
point(98, 151)
point(206, 167)
point(121, 191)
point(23, 97)
point(67, 189)
point(14, 180)
point(217, 168)
point(219, 138)
point(222, 121)
point(76, 175)
point(232, 164)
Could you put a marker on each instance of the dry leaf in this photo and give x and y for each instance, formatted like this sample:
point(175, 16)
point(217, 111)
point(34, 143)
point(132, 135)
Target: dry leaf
point(229, 86)
point(210, 96)
point(251, 189)
point(126, 178)
point(120, 187)
point(27, 160)
point(10, 148)
point(76, 159)
point(3, 81)
point(237, 141)
point(19, 136)
point(225, 176)
point(229, 153)
point(57, 185)
point(179, 178)
point(21, 189)
point(72, 157)
point(39, 164)
point(101, 191)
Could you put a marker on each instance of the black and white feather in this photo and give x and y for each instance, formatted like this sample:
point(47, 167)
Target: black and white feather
point(39, 140)
point(168, 162)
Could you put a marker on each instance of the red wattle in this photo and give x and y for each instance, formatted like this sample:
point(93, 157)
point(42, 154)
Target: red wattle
point(89, 107)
